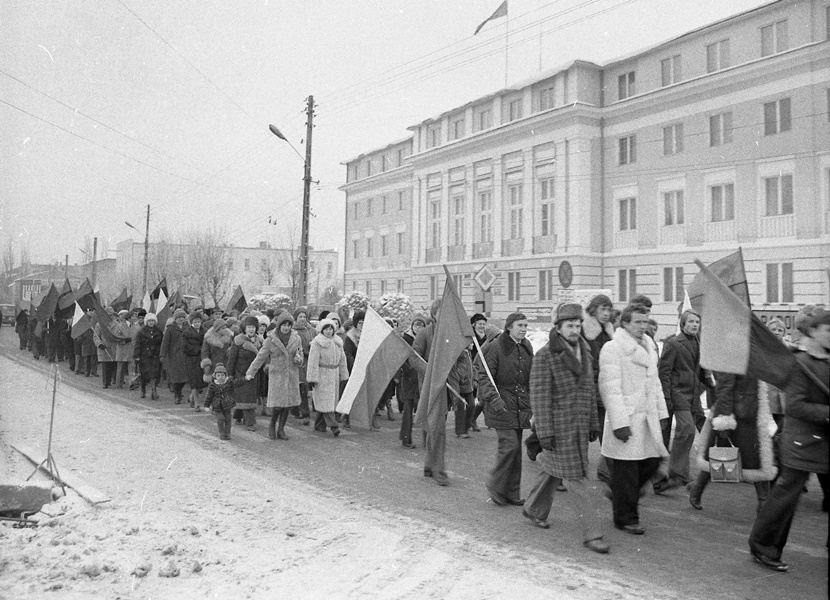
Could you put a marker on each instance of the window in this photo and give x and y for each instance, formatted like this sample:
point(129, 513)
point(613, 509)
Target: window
point(401, 200)
point(435, 219)
point(628, 214)
point(625, 86)
point(369, 247)
point(458, 221)
point(434, 136)
point(513, 291)
point(723, 202)
point(382, 287)
point(329, 270)
point(628, 150)
point(384, 165)
point(774, 38)
point(355, 248)
point(673, 139)
point(546, 98)
point(673, 290)
point(368, 168)
point(546, 197)
point(780, 282)
point(777, 116)
point(627, 279)
point(514, 192)
point(368, 207)
point(401, 156)
point(400, 286)
point(354, 172)
point(383, 205)
point(456, 283)
point(673, 207)
point(514, 109)
point(670, 70)
point(399, 235)
point(485, 204)
point(369, 288)
point(717, 56)
point(720, 129)
point(433, 287)
point(354, 284)
point(779, 195)
point(545, 285)
point(457, 128)
point(483, 119)
point(356, 208)
point(384, 247)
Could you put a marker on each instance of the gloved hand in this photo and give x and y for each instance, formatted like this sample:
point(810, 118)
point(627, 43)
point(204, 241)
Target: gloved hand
point(723, 435)
point(593, 436)
point(623, 433)
point(310, 385)
point(547, 443)
point(498, 405)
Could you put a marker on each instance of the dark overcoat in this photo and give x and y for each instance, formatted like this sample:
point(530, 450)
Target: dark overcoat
point(192, 347)
point(682, 378)
point(563, 396)
point(737, 395)
point(241, 354)
point(804, 441)
point(509, 364)
point(172, 350)
point(147, 351)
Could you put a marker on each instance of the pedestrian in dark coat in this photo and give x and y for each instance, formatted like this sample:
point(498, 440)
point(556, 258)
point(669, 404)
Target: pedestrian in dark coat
point(307, 333)
point(215, 346)
point(106, 353)
point(563, 396)
point(241, 354)
point(408, 391)
point(220, 399)
point(598, 330)
point(507, 405)
point(89, 352)
point(805, 442)
point(172, 353)
point(194, 337)
point(67, 343)
point(147, 353)
point(350, 342)
point(35, 338)
point(21, 324)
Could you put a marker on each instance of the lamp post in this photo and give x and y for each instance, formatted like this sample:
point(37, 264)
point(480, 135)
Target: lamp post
point(303, 278)
point(146, 245)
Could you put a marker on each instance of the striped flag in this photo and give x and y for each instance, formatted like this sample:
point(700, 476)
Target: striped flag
point(238, 301)
point(380, 354)
point(80, 322)
point(501, 11)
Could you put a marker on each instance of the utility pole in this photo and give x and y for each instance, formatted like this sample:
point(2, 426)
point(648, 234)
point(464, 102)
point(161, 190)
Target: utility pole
point(94, 259)
point(66, 267)
point(146, 248)
point(306, 206)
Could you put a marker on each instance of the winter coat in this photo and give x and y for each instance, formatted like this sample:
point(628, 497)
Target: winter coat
point(804, 441)
point(509, 365)
point(215, 347)
point(241, 354)
point(563, 397)
point(88, 343)
point(741, 408)
point(682, 378)
point(408, 388)
point(630, 387)
point(106, 352)
point(123, 350)
point(21, 323)
point(192, 348)
point(460, 373)
point(283, 370)
point(172, 353)
point(350, 343)
point(597, 336)
point(306, 333)
point(147, 351)
point(220, 396)
point(326, 369)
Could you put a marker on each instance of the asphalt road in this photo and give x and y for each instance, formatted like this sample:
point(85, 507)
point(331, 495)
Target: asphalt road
point(685, 553)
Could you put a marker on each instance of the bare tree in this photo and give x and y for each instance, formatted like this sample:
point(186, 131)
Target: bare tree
point(8, 260)
point(269, 268)
point(208, 263)
point(25, 257)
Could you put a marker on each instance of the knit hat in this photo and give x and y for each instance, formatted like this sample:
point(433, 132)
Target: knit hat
point(250, 321)
point(151, 317)
point(476, 318)
point(326, 323)
point(219, 324)
point(141, 312)
point(231, 321)
point(512, 318)
point(179, 313)
point(566, 312)
point(263, 320)
point(195, 315)
point(300, 310)
point(219, 368)
point(421, 318)
point(123, 313)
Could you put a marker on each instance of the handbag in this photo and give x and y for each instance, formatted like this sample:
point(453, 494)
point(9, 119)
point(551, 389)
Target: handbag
point(725, 464)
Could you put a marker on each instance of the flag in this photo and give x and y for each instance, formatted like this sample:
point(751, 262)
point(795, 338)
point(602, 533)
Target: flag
point(80, 322)
point(453, 333)
point(238, 301)
point(730, 270)
point(163, 311)
point(83, 296)
point(122, 302)
point(380, 354)
point(161, 287)
point(103, 317)
point(501, 11)
point(147, 302)
point(67, 287)
point(733, 340)
point(47, 306)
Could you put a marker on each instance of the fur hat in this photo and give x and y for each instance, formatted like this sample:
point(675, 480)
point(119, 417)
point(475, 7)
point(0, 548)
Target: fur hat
point(419, 317)
point(219, 324)
point(231, 321)
point(324, 314)
point(250, 321)
point(195, 315)
point(566, 312)
point(179, 313)
point(326, 323)
point(141, 312)
point(283, 317)
point(512, 318)
point(123, 313)
point(476, 318)
point(263, 320)
point(300, 310)
point(151, 317)
point(219, 368)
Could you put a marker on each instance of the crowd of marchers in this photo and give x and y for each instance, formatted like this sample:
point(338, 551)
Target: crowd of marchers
point(601, 377)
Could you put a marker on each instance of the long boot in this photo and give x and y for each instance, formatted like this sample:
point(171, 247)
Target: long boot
point(696, 489)
point(281, 429)
point(272, 426)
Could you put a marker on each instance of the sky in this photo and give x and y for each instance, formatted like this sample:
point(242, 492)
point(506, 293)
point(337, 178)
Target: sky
point(107, 106)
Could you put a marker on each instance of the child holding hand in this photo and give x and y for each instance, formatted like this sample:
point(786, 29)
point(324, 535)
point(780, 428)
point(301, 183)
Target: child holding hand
point(220, 399)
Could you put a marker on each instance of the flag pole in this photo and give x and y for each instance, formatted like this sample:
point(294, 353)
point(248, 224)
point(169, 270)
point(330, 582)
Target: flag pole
point(486, 367)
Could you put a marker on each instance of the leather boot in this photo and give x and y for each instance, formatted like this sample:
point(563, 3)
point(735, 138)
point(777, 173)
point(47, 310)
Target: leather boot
point(281, 428)
point(696, 489)
point(272, 426)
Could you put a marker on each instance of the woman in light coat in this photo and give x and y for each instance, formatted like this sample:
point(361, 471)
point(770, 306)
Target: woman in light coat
point(634, 403)
point(326, 369)
point(283, 348)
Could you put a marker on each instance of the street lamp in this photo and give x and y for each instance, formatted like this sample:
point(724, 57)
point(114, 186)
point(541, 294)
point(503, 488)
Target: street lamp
point(303, 278)
point(146, 244)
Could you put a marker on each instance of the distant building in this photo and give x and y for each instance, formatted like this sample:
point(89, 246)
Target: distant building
point(615, 177)
point(31, 282)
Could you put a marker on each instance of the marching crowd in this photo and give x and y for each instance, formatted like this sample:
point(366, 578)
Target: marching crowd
point(601, 377)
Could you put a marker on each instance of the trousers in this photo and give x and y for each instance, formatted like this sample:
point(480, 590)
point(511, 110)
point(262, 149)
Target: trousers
point(505, 480)
point(627, 477)
point(684, 437)
point(583, 497)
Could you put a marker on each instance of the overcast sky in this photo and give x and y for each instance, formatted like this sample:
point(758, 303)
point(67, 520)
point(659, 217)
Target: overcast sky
point(109, 105)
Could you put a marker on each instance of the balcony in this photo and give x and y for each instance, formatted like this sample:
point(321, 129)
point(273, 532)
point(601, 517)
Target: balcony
point(777, 226)
point(625, 239)
point(544, 244)
point(483, 250)
point(455, 253)
point(673, 235)
point(433, 255)
point(720, 231)
point(512, 247)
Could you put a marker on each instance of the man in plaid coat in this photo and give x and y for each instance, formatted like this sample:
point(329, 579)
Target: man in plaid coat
point(563, 396)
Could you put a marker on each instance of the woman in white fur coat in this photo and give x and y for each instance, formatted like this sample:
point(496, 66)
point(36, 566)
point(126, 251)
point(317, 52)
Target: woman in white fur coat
point(326, 369)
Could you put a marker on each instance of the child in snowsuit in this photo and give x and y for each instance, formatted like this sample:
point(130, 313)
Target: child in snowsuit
point(220, 399)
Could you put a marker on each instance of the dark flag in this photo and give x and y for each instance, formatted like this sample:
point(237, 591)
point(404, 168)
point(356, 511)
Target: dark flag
point(160, 288)
point(47, 306)
point(238, 301)
point(730, 270)
point(80, 322)
point(66, 301)
point(103, 317)
point(122, 302)
point(83, 296)
point(67, 287)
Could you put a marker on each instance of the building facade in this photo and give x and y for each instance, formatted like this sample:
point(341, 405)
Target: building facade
point(616, 177)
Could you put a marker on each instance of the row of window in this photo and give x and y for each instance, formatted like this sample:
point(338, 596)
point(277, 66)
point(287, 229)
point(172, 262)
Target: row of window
point(269, 267)
point(774, 38)
point(777, 119)
point(400, 241)
point(382, 206)
point(385, 287)
point(380, 164)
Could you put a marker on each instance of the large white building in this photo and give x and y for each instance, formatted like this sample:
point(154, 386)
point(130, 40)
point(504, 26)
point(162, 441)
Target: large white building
point(616, 177)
